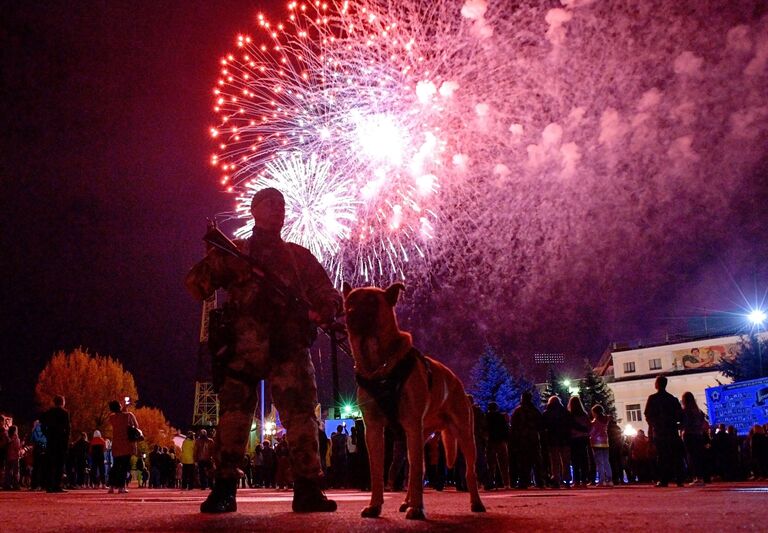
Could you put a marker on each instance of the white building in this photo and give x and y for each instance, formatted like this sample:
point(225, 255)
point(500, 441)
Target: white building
point(688, 366)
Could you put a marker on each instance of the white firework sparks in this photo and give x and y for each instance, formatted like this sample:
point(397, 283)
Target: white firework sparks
point(319, 206)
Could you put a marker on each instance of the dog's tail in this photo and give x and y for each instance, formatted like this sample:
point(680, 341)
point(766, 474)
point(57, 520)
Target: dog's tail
point(450, 442)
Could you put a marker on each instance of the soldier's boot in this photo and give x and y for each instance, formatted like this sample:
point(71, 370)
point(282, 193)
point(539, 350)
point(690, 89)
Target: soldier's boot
point(308, 498)
point(222, 497)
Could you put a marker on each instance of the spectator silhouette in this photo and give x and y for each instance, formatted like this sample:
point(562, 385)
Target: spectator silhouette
point(203, 454)
point(580, 425)
point(187, 461)
point(96, 452)
point(598, 439)
point(56, 428)
point(498, 453)
point(526, 428)
point(557, 433)
point(122, 448)
point(694, 429)
point(664, 414)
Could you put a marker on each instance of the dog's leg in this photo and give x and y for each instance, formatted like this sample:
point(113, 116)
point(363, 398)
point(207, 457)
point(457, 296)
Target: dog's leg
point(415, 438)
point(374, 440)
point(467, 445)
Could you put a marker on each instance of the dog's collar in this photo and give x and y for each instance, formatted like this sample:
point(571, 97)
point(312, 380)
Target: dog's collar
point(385, 390)
point(400, 351)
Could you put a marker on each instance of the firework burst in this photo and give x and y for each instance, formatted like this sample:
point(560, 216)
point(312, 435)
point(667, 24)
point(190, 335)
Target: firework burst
point(346, 112)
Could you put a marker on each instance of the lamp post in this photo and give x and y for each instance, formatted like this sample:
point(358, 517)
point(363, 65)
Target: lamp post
point(757, 317)
point(572, 388)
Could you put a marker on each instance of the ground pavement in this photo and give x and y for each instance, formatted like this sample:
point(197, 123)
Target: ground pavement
point(724, 507)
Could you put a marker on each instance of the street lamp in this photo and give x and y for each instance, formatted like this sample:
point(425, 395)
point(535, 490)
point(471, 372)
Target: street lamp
point(270, 428)
point(757, 317)
point(629, 431)
point(573, 390)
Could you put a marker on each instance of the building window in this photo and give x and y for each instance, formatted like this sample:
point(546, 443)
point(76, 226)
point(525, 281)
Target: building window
point(654, 364)
point(633, 413)
point(629, 367)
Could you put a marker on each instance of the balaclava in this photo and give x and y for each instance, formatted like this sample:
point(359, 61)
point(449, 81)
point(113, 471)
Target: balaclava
point(268, 210)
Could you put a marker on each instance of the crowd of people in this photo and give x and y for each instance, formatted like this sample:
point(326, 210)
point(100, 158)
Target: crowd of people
point(560, 446)
point(564, 446)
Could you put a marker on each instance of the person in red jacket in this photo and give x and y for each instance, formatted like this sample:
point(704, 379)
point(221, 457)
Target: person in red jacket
point(122, 448)
point(96, 451)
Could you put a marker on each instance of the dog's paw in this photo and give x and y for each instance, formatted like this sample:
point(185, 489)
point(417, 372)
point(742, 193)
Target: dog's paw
point(372, 511)
point(415, 513)
point(403, 507)
point(478, 507)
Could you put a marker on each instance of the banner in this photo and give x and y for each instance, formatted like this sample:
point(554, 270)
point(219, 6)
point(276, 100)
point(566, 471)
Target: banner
point(741, 404)
point(703, 356)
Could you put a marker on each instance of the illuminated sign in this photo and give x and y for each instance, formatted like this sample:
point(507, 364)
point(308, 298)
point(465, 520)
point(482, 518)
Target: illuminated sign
point(740, 404)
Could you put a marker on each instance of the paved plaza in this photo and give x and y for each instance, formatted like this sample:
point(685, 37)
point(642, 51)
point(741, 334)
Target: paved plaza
point(718, 507)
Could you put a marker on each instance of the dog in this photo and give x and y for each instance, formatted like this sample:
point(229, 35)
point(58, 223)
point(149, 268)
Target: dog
point(399, 386)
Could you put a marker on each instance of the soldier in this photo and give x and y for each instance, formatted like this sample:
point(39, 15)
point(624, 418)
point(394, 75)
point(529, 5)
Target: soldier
point(271, 341)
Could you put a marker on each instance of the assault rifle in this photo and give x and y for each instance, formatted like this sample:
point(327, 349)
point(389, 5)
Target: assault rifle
point(215, 238)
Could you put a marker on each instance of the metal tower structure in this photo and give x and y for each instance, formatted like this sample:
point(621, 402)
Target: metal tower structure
point(206, 413)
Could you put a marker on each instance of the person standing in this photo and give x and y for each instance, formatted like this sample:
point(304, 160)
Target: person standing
point(598, 439)
point(257, 465)
point(526, 426)
point(557, 432)
point(338, 457)
point(56, 428)
point(79, 461)
point(480, 432)
point(97, 448)
point(580, 426)
point(640, 457)
point(283, 474)
point(269, 464)
point(13, 455)
point(272, 333)
point(188, 461)
point(122, 448)
point(664, 414)
point(39, 443)
point(203, 454)
point(498, 453)
point(694, 428)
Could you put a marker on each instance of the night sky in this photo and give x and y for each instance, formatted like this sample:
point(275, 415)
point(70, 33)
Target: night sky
point(105, 189)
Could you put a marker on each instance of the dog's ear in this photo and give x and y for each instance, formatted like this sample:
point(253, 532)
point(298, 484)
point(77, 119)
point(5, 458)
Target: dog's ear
point(392, 293)
point(346, 288)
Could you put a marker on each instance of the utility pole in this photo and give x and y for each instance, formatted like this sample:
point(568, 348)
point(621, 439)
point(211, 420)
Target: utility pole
point(335, 368)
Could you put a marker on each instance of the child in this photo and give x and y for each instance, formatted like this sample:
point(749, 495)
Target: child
point(598, 439)
point(12, 459)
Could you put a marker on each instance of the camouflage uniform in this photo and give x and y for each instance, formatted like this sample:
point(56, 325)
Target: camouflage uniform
point(272, 339)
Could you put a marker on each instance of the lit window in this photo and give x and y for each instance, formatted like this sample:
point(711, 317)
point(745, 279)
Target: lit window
point(633, 413)
point(654, 364)
point(629, 367)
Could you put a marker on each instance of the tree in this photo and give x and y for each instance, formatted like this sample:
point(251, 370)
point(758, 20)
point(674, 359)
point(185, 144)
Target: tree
point(88, 383)
point(155, 427)
point(554, 387)
point(492, 382)
point(594, 391)
point(745, 364)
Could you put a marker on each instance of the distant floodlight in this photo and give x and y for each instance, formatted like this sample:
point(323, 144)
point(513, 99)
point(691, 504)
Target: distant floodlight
point(629, 431)
point(757, 317)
